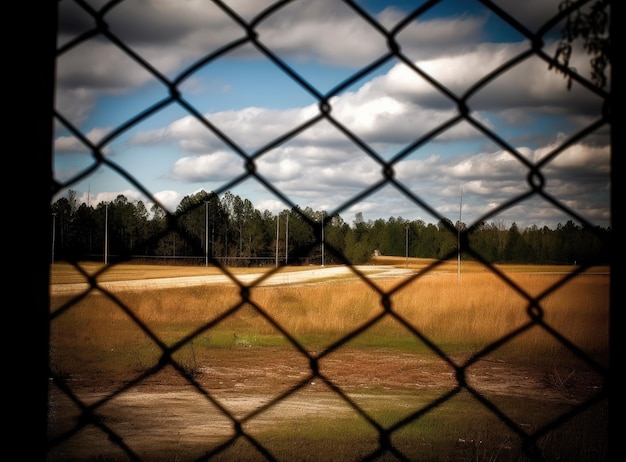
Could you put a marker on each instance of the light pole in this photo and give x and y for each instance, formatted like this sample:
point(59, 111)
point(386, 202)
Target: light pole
point(458, 240)
point(54, 227)
point(323, 214)
point(206, 233)
point(287, 237)
point(106, 233)
point(277, 230)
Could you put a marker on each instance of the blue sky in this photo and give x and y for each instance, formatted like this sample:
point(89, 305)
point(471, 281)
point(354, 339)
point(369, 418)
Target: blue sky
point(251, 100)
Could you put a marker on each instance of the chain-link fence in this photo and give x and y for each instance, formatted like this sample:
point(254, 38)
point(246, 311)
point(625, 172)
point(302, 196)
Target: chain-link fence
point(379, 437)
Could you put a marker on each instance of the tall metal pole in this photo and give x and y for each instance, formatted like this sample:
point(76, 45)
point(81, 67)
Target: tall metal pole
point(54, 227)
point(106, 233)
point(206, 233)
point(277, 229)
point(323, 214)
point(458, 239)
point(287, 237)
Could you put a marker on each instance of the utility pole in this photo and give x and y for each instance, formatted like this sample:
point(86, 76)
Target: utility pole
point(277, 230)
point(323, 214)
point(458, 239)
point(106, 233)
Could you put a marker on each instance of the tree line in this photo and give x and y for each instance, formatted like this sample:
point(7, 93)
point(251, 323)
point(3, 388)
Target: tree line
point(229, 231)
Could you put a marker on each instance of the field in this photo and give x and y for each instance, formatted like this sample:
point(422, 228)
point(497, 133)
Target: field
point(313, 367)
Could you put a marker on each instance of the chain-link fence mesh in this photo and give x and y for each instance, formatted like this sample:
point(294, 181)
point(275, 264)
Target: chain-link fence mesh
point(221, 425)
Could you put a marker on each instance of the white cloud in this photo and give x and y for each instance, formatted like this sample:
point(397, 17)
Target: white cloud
point(70, 143)
point(322, 31)
point(272, 205)
point(582, 158)
point(396, 108)
point(169, 38)
point(169, 199)
point(321, 165)
point(218, 166)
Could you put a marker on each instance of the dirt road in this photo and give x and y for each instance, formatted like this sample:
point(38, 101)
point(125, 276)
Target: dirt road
point(278, 278)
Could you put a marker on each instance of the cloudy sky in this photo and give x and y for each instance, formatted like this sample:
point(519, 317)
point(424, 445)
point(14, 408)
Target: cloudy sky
point(327, 160)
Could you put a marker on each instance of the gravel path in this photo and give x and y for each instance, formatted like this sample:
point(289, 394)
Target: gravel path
point(278, 278)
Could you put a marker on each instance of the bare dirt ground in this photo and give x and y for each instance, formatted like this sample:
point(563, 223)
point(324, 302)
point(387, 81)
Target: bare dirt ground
point(262, 388)
point(164, 416)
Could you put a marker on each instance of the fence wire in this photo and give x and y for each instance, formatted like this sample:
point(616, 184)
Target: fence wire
point(90, 417)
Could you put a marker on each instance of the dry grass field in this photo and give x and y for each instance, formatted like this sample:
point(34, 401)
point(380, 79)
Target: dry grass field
point(309, 370)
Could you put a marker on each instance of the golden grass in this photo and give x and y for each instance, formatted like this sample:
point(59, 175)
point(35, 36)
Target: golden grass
point(452, 266)
point(459, 316)
point(97, 338)
point(483, 307)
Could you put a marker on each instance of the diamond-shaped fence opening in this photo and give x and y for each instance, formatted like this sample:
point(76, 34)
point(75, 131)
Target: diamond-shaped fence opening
point(389, 382)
